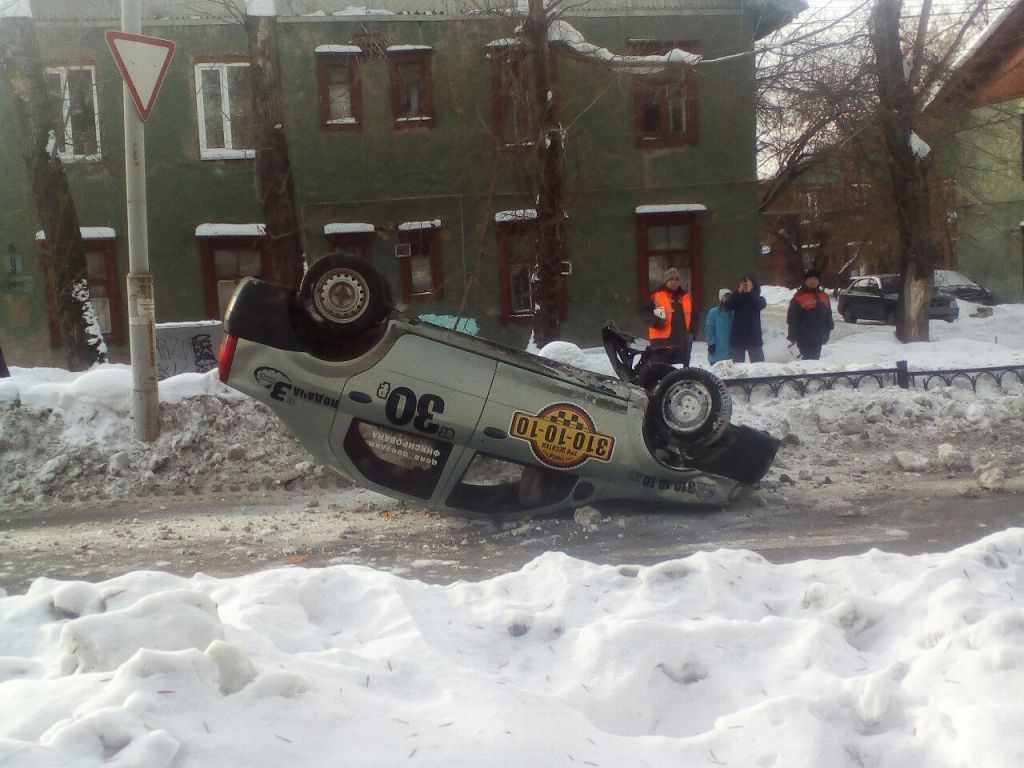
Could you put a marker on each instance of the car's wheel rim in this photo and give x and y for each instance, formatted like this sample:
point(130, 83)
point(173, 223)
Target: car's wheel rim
point(341, 296)
point(686, 406)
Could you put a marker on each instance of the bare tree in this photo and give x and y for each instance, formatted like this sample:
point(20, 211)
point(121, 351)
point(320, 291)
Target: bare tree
point(847, 95)
point(275, 179)
point(38, 122)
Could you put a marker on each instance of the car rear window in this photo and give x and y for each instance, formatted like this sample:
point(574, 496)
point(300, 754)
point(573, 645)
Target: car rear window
point(891, 284)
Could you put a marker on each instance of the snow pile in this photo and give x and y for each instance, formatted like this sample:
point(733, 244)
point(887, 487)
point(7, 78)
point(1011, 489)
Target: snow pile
point(720, 658)
point(68, 437)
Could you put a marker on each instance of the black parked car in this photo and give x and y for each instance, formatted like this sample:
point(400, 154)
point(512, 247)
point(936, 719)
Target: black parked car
point(874, 297)
point(961, 286)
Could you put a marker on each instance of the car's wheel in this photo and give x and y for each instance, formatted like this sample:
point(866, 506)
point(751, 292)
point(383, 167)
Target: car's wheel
point(890, 316)
point(690, 404)
point(848, 315)
point(344, 294)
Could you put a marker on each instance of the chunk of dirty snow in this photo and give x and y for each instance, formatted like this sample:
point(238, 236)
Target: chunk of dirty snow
point(911, 462)
point(234, 668)
point(992, 479)
point(952, 457)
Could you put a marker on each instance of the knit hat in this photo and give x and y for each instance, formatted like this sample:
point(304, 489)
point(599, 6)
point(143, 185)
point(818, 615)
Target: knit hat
point(722, 293)
point(669, 274)
point(812, 273)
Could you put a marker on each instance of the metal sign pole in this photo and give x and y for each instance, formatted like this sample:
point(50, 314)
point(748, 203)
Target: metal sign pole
point(141, 311)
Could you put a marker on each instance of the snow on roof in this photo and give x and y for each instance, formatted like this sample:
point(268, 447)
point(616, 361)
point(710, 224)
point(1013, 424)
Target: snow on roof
point(563, 32)
point(401, 48)
point(231, 230)
point(520, 214)
point(338, 49)
point(407, 226)
point(505, 42)
point(671, 208)
point(88, 233)
point(362, 10)
point(346, 227)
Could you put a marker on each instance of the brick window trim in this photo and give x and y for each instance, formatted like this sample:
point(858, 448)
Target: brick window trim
point(646, 220)
point(108, 248)
point(505, 232)
point(691, 135)
point(324, 61)
point(357, 241)
point(432, 236)
point(423, 58)
point(208, 246)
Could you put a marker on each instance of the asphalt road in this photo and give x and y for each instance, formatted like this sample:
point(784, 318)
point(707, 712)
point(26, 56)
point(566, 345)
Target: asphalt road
point(222, 536)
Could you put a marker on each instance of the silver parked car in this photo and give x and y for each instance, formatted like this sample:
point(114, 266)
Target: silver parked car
point(464, 425)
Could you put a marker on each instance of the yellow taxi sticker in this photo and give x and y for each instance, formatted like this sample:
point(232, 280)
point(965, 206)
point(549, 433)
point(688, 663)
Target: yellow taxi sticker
point(562, 436)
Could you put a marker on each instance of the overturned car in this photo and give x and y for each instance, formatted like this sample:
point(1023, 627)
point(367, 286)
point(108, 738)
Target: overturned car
point(467, 426)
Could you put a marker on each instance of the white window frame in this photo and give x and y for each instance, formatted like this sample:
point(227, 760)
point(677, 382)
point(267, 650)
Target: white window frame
point(62, 72)
point(227, 152)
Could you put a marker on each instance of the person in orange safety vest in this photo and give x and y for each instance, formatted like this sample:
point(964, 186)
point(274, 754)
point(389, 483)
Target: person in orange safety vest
point(672, 320)
point(809, 317)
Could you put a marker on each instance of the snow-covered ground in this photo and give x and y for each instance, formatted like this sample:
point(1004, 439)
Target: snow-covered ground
point(717, 659)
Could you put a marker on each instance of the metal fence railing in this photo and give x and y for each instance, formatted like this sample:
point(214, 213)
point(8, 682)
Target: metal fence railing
point(875, 378)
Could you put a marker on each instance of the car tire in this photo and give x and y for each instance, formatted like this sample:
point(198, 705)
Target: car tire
point(344, 294)
point(890, 316)
point(848, 315)
point(690, 405)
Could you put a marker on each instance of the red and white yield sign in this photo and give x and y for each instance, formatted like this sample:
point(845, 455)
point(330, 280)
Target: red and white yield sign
point(143, 62)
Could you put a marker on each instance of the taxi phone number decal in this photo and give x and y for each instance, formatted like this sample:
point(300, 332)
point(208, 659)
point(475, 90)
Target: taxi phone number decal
point(562, 436)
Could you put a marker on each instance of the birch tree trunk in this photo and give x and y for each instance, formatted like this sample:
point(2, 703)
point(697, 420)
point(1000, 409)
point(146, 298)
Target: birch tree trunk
point(36, 118)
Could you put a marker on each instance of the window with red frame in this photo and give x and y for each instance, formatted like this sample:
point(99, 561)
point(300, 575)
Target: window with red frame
point(341, 93)
point(517, 271)
point(412, 92)
point(510, 106)
point(667, 240)
point(354, 242)
point(226, 260)
point(421, 262)
point(102, 277)
point(664, 104)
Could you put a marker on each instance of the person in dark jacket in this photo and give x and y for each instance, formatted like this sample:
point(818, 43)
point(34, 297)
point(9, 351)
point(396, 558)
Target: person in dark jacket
point(746, 304)
point(809, 317)
point(672, 320)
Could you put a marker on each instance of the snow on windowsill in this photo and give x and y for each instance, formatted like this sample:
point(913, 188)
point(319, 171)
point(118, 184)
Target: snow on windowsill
point(347, 228)
point(409, 226)
point(423, 119)
point(403, 48)
point(227, 154)
point(522, 214)
point(338, 49)
point(342, 121)
point(88, 233)
point(220, 229)
point(671, 208)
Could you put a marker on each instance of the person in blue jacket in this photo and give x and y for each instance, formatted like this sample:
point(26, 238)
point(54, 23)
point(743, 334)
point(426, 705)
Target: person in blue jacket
point(718, 329)
point(746, 303)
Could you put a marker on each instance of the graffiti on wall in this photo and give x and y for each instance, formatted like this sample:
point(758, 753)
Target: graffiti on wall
point(187, 347)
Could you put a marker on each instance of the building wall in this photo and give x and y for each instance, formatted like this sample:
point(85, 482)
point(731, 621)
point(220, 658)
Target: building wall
point(990, 197)
point(382, 176)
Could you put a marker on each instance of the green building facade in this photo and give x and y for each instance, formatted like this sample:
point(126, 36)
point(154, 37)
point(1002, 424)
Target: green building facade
point(405, 147)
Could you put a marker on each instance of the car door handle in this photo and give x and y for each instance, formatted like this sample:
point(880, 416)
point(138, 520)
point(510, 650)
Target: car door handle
point(494, 432)
point(360, 397)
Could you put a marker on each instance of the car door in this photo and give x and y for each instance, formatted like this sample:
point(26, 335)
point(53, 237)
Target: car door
point(411, 414)
point(858, 298)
